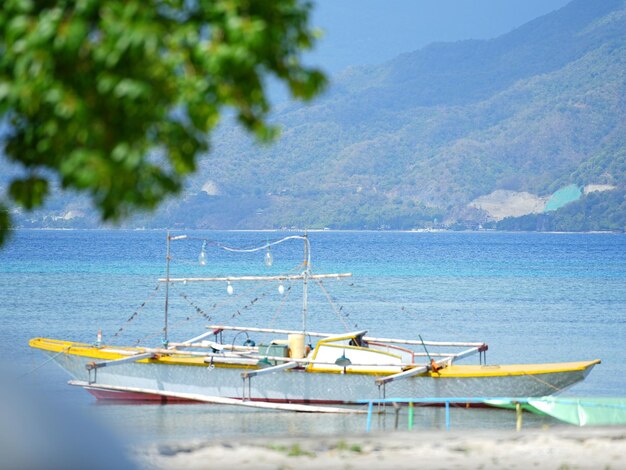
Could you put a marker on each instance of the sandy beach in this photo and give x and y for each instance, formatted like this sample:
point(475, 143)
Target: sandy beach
point(555, 448)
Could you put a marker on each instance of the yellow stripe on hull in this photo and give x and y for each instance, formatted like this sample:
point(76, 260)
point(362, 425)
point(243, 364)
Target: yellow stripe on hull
point(110, 353)
point(457, 371)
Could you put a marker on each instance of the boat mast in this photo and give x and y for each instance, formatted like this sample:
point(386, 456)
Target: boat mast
point(167, 287)
point(305, 277)
point(167, 281)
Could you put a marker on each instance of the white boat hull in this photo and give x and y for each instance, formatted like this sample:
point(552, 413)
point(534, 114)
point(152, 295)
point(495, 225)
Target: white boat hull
point(299, 386)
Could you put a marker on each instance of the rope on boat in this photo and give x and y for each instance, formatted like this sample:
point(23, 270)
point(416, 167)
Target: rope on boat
point(51, 358)
point(556, 389)
point(281, 306)
point(198, 310)
point(342, 316)
point(136, 312)
point(214, 308)
point(249, 305)
point(283, 301)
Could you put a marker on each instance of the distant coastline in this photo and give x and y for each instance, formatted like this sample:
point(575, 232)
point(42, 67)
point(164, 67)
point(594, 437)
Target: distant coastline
point(308, 230)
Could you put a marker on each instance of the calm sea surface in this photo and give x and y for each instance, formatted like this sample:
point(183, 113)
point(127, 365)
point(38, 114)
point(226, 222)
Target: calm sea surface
point(531, 297)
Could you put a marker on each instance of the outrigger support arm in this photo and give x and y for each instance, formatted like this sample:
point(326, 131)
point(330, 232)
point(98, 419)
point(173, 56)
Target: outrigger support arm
point(269, 370)
point(422, 369)
point(117, 362)
point(481, 346)
point(403, 375)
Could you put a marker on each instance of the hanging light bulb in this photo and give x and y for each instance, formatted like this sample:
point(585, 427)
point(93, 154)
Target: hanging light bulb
point(202, 256)
point(281, 289)
point(343, 361)
point(269, 259)
point(229, 289)
point(264, 363)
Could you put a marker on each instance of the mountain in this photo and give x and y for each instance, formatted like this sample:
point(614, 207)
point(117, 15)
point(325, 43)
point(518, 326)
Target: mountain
point(420, 139)
point(347, 26)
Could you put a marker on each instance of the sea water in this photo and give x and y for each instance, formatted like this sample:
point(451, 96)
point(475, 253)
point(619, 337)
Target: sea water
point(531, 297)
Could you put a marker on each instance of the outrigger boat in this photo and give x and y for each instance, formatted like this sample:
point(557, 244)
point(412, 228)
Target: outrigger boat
point(298, 369)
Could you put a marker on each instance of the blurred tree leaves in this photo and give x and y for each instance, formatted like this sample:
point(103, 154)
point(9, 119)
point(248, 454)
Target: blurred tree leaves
point(117, 98)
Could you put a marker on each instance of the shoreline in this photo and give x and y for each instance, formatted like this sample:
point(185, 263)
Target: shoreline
point(553, 448)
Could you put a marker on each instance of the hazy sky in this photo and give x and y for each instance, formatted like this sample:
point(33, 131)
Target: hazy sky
point(358, 32)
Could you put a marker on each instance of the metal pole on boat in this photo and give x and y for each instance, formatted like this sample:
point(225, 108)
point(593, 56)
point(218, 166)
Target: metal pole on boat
point(169, 238)
point(167, 288)
point(305, 276)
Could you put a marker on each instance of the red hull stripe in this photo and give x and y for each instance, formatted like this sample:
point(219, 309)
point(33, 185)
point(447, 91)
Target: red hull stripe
point(117, 395)
point(106, 395)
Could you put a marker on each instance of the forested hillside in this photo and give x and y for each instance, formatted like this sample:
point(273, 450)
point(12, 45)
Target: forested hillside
point(412, 142)
point(595, 212)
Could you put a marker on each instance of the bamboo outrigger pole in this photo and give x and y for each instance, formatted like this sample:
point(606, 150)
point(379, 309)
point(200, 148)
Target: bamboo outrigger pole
point(481, 346)
point(283, 277)
point(219, 400)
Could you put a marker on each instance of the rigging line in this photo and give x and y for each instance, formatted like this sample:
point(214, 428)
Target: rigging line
point(440, 328)
point(182, 320)
point(51, 358)
point(330, 301)
point(557, 389)
point(263, 294)
point(198, 310)
point(229, 300)
point(215, 306)
point(160, 332)
point(286, 295)
point(186, 319)
point(280, 307)
point(136, 312)
point(238, 296)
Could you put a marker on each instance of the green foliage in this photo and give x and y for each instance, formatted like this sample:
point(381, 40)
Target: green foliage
point(344, 446)
point(5, 223)
point(608, 167)
point(29, 191)
point(217, 212)
point(116, 99)
point(293, 451)
point(296, 451)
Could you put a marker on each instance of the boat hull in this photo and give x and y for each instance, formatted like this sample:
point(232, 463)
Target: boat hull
point(191, 375)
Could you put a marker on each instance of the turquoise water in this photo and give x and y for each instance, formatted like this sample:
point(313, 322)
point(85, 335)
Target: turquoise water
point(531, 297)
